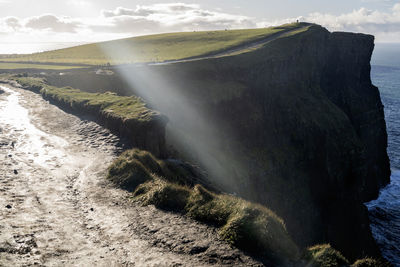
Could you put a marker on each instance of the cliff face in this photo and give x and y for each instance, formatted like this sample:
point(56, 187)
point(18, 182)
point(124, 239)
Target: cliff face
point(299, 127)
point(347, 83)
point(295, 125)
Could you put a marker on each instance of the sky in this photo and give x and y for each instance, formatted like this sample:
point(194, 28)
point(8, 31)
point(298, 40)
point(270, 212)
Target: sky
point(28, 26)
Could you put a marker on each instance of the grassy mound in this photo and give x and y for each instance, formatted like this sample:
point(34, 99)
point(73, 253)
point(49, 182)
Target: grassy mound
point(149, 48)
point(174, 171)
point(325, 256)
point(368, 262)
point(128, 173)
point(163, 195)
point(249, 226)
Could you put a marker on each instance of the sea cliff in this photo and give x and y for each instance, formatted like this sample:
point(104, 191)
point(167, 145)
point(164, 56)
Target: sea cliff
point(295, 125)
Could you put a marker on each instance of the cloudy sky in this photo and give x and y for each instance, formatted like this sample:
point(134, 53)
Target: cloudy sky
point(28, 26)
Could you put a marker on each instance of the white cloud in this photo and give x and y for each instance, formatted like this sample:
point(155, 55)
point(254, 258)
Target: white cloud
point(79, 3)
point(170, 17)
point(145, 10)
point(381, 24)
point(52, 23)
point(119, 11)
point(396, 9)
point(12, 22)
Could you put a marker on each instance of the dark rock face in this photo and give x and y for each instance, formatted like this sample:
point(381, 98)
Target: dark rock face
point(296, 125)
point(349, 87)
point(306, 136)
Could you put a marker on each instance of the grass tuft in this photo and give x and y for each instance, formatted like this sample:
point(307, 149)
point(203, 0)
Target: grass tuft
point(257, 229)
point(163, 195)
point(128, 173)
point(210, 208)
point(325, 256)
point(368, 262)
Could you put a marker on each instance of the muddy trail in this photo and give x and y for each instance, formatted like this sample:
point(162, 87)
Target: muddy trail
point(58, 209)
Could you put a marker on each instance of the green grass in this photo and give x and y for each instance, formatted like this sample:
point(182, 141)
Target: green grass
point(15, 66)
point(249, 226)
point(124, 170)
point(368, 262)
point(150, 48)
point(325, 256)
point(163, 194)
point(119, 106)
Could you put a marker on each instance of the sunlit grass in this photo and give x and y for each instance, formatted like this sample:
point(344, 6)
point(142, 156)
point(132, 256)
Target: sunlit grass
point(154, 48)
point(15, 66)
point(125, 107)
point(325, 256)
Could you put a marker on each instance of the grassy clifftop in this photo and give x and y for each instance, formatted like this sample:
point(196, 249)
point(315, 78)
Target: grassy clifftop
point(157, 48)
point(118, 106)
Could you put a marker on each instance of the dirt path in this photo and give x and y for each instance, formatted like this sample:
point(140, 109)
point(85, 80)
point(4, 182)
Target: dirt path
point(56, 207)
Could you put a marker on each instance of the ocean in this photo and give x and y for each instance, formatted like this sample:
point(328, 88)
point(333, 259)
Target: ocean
point(384, 212)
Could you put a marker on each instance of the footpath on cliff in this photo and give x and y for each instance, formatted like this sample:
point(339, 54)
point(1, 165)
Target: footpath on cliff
point(57, 208)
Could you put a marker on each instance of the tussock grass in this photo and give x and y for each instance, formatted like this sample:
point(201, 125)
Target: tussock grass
point(368, 262)
point(174, 171)
point(325, 256)
point(246, 225)
point(163, 195)
point(128, 173)
point(249, 226)
point(157, 48)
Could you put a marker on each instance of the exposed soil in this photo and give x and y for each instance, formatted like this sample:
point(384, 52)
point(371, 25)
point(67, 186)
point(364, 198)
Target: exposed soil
point(57, 208)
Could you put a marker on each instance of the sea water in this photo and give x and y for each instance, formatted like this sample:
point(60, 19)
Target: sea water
point(384, 212)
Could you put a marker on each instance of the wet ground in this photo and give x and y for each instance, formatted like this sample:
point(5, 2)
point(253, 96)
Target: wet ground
point(57, 208)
